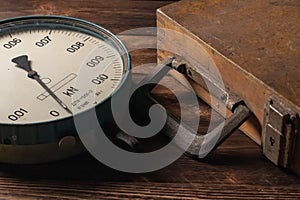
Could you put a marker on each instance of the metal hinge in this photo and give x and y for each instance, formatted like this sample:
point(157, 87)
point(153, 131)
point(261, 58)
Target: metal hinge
point(280, 128)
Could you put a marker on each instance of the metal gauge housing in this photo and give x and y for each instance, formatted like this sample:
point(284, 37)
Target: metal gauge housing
point(42, 57)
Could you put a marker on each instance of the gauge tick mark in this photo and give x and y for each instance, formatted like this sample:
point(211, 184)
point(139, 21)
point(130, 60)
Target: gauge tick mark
point(86, 39)
point(111, 56)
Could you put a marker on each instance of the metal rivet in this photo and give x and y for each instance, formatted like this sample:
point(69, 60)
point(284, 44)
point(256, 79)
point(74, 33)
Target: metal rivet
point(224, 98)
point(67, 142)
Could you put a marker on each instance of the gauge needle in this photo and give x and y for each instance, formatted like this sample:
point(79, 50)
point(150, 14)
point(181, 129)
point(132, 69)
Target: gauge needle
point(22, 62)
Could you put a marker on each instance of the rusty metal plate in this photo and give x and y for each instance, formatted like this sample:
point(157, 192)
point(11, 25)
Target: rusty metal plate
point(262, 37)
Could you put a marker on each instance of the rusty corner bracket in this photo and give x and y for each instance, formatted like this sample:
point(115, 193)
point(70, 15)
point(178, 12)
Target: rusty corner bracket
point(280, 128)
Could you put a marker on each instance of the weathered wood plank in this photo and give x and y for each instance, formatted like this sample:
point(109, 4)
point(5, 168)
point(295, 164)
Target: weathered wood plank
point(115, 15)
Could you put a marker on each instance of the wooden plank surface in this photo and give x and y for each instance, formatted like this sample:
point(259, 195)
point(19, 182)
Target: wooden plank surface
point(236, 170)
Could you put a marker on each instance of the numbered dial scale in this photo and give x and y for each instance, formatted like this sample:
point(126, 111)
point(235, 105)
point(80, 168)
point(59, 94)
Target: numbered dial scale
point(42, 58)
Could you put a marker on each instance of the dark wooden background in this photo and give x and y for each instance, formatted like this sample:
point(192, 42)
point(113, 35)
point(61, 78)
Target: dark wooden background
point(236, 170)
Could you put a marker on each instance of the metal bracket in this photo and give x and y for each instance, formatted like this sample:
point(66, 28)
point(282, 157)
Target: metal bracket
point(206, 81)
point(202, 145)
point(280, 127)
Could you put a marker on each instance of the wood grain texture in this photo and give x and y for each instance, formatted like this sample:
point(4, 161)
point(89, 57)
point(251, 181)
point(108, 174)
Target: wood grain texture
point(236, 170)
point(115, 15)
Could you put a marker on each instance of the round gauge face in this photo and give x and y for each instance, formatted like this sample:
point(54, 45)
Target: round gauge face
point(51, 68)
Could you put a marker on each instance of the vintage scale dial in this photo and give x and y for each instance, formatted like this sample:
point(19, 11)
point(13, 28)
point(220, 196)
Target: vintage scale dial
point(41, 58)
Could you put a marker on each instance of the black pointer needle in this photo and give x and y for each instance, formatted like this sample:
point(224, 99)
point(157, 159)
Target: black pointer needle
point(22, 62)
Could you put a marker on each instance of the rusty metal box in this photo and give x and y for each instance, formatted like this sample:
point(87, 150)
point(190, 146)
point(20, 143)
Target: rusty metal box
point(256, 48)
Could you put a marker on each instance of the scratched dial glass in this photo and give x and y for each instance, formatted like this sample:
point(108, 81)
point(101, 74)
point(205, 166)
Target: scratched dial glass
point(59, 54)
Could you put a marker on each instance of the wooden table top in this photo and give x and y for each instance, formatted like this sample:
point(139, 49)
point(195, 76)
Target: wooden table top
point(237, 169)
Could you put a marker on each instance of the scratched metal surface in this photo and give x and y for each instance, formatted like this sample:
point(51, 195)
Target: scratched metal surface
point(262, 37)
